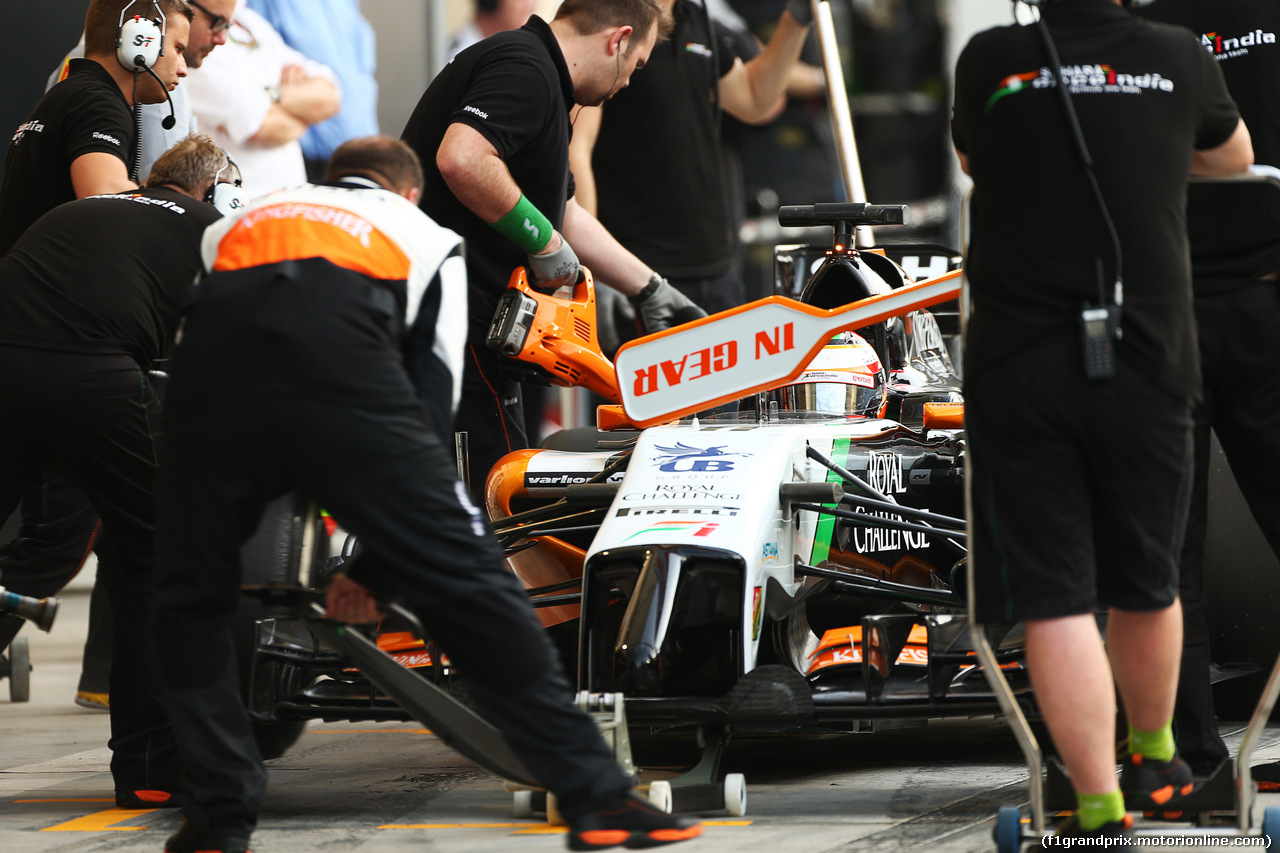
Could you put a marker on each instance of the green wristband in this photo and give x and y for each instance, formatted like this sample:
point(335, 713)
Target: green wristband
point(525, 226)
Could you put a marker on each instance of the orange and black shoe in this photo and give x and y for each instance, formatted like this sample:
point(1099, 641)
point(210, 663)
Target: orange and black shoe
point(631, 822)
point(146, 799)
point(1266, 777)
point(186, 841)
point(1150, 785)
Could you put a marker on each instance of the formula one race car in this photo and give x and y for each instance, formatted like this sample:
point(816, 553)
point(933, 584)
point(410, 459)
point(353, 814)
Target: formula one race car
point(786, 556)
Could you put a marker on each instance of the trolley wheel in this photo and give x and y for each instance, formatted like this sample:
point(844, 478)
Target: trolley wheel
point(660, 795)
point(19, 670)
point(522, 803)
point(554, 818)
point(1271, 822)
point(1009, 830)
point(735, 794)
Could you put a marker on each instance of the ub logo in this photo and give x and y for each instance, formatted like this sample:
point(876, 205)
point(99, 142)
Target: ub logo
point(682, 457)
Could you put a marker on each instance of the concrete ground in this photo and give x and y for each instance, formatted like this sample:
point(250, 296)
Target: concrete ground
point(394, 787)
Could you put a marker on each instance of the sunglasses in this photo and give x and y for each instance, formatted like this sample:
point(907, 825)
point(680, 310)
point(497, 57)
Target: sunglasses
point(217, 23)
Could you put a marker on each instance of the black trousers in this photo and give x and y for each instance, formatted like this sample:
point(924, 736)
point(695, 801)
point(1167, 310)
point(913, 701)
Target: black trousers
point(387, 477)
point(1238, 330)
point(491, 413)
point(94, 419)
point(60, 528)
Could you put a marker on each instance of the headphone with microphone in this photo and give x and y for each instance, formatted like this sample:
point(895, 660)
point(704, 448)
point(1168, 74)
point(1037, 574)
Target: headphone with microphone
point(139, 45)
point(140, 41)
point(227, 196)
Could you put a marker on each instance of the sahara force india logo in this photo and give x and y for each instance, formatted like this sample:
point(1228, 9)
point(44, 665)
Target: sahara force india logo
point(1081, 80)
point(1229, 47)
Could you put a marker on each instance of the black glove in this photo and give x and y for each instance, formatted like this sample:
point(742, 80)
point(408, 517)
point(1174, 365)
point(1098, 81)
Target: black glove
point(555, 269)
point(660, 306)
point(802, 11)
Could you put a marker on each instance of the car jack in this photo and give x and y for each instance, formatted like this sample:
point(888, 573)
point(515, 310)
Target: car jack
point(456, 725)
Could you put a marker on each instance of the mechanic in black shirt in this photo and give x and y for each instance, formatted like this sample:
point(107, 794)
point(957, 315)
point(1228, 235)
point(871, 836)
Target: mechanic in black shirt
point(1237, 306)
point(89, 298)
point(492, 131)
point(80, 138)
point(1081, 477)
point(669, 206)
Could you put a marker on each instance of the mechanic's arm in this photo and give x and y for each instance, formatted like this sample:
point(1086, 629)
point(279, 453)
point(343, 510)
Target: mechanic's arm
point(749, 91)
point(601, 253)
point(98, 172)
point(1230, 158)
point(586, 130)
point(475, 174)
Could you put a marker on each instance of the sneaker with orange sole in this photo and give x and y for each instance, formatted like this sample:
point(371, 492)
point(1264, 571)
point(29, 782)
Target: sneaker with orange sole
point(630, 822)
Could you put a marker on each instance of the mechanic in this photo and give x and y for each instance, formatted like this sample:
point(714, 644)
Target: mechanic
point(59, 527)
point(1067, 513)
point(80, 138)
point(1236, 309)
point(492, 131)
point(75, 351)
point(317, 286)
point(671, 206)
point(208, 30)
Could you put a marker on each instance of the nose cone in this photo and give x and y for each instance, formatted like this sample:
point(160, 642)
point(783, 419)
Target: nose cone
point(637, 669)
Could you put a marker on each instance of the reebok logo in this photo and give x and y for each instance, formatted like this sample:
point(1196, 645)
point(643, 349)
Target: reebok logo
point(104, 137)
point(471, 109)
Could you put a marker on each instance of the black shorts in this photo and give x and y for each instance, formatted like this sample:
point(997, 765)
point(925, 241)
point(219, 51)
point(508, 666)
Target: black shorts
point(1080, 487)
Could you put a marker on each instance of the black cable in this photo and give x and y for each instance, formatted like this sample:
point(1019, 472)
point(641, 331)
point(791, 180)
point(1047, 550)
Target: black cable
point(137, 133)
point(1087, 160)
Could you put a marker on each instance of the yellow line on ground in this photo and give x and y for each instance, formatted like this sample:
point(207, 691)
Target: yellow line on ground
point(102, 821)
point(454, 826)
point(527, 828)
point(370, 732)
point(85, 800)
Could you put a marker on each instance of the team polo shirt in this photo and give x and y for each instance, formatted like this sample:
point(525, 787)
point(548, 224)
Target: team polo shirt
point(328, 292)
point(514, 89)
point(84, 114)
point(1241, 36)
point(659, 183)
point(1146, 95)
point(106, 274)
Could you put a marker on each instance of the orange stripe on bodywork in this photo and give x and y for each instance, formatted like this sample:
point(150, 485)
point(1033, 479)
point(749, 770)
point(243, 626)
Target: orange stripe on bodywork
point(292, 231)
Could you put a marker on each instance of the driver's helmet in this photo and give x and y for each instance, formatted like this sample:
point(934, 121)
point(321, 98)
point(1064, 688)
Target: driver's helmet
point(844, 378)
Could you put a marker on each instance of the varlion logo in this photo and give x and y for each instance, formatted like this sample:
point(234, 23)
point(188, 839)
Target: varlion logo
point(531, 228)
point(471, 109)
point(106, 138)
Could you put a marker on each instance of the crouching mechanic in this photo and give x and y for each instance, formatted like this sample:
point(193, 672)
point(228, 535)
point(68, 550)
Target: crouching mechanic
point(339, 299)
point(89, 298)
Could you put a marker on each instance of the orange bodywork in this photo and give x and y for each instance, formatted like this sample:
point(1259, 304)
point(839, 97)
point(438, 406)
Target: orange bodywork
point(551, 560)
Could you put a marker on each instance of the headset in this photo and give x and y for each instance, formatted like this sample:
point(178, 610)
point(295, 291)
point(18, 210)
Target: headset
point(139, 40)
point(227, 196)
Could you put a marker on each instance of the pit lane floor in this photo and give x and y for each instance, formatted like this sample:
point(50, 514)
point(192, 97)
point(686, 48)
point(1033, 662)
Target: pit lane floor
point(394, 787)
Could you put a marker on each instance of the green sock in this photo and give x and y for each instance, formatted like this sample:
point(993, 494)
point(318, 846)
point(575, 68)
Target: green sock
point(1157, 744)
point(1096, 809)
